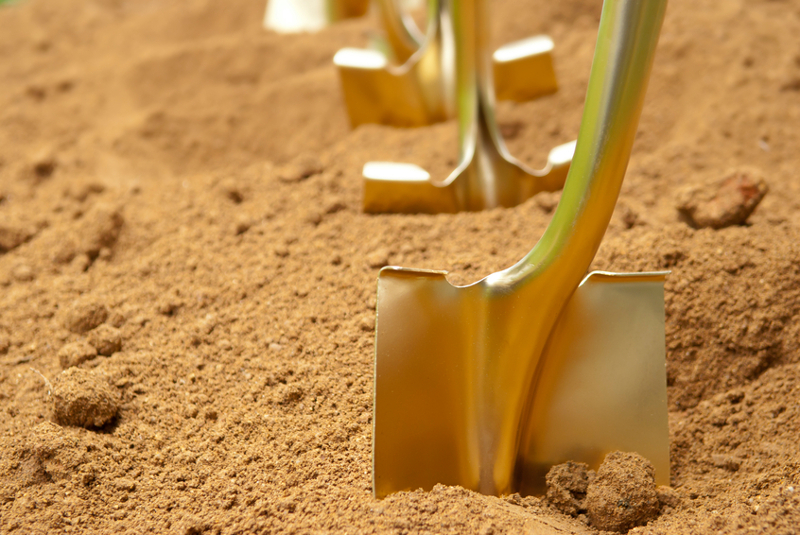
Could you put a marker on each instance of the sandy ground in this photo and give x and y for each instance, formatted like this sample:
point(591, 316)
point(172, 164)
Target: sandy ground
point(142, 216)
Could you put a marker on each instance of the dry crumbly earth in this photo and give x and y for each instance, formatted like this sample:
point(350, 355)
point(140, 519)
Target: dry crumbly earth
point(145, 147)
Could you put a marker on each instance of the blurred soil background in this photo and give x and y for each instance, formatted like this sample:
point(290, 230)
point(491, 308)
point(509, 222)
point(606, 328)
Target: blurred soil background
point(158, 233)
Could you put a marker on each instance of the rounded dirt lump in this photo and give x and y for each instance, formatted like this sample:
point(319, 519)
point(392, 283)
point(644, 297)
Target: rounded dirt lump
point(623, 494)
point(106, 339)
point(75, 353)
point(83, 398)
point(566, 487)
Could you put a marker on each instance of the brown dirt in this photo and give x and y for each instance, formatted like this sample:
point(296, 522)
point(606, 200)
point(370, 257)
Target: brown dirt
point(159, 175)
point(623, 494)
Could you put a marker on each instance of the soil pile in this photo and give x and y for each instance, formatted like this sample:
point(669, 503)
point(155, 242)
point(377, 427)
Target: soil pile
point(179, 216)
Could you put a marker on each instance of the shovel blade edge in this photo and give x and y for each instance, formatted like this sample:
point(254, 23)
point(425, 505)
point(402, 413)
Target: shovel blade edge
point(422, 420)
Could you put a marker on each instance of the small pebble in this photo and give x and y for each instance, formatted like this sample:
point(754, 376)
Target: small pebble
point(547, 200)
point(83, 398)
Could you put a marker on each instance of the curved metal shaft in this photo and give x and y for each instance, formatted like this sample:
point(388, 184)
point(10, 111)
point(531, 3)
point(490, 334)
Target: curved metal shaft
point(523, 70)
point(403, 35)
point(487, 176)
point(476, 353)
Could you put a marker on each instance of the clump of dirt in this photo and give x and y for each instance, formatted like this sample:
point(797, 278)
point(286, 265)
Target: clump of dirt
point(95, 234)
point(75, 353)
point(567, 484)
point(106, 339)
point(724, 202)
point(85, 314)
point(623, 494)
point(13, 234)
point(83, 398)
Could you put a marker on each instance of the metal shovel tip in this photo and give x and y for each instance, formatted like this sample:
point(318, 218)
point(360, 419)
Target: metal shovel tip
point(359, 58)
point(532, 46)
point(523, 70)
point(403, 172)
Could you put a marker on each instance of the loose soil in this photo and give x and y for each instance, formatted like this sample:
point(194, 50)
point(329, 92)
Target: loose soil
point(151, 209)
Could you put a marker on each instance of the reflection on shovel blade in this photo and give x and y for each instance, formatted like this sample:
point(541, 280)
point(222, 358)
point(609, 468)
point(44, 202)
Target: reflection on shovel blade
point(407, 188)
point(523, 70)
point(600, 384)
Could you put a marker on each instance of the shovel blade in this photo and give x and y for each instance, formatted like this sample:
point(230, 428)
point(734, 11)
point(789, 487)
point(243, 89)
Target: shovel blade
point(422, 421)
point(600, 383)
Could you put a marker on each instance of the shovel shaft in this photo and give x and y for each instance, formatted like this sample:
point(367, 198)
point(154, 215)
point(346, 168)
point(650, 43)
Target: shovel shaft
point(402, 34)
point(624, 53)
point(457, 367)
point(515, 332)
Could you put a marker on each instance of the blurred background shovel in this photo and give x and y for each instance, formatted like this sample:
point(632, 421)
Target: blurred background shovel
point(523, 70)
point(487, 176)
point(486, 386)
point(407, 80)
point(295, 16)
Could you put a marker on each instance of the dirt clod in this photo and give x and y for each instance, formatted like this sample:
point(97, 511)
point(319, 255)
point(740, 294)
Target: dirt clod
point(13, 234)
point(83, 398)
point(106, 339)
point(623, 494)
point(724, 202)
point(84, 315)
point(567, 484)
point(75, 353)
point(100, 229)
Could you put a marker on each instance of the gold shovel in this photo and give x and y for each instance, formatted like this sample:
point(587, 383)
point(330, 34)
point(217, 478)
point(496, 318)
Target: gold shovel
point(409, 82)
point(487, 176)
point(486, 386)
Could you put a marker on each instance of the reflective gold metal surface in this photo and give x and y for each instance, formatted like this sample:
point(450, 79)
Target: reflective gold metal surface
point(523, 70)
point(485, 385)
point(487, 176)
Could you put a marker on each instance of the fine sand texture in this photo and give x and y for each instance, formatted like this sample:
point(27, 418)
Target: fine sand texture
point(181, 229)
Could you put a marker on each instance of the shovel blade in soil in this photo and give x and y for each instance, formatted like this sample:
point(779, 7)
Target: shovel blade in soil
point(600, 384)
